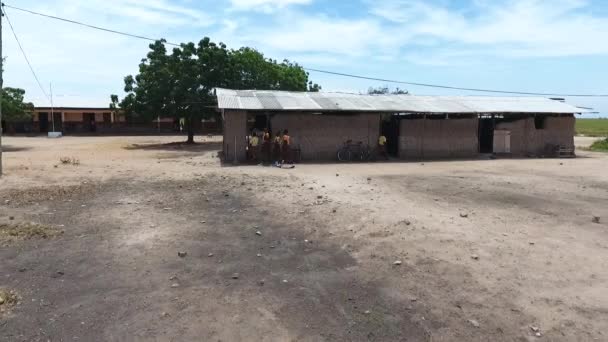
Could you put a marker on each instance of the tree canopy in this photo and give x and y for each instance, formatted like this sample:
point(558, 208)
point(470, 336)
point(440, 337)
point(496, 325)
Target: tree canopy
point(179, 83)
point(386, 90)
point(13, 107)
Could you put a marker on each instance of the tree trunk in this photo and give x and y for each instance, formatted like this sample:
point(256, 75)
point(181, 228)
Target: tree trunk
point(190, 130)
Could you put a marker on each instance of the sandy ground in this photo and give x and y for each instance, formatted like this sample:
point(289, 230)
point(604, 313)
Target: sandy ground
point(584, 142)
point(488, 249)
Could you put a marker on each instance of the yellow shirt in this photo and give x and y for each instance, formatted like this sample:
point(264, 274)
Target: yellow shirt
point(382, 140)
point(254, 141)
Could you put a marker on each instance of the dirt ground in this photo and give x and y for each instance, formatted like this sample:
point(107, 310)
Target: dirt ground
point(475, 250)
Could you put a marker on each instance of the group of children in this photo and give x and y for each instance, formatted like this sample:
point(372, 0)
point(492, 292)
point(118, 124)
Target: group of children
point(264, 148)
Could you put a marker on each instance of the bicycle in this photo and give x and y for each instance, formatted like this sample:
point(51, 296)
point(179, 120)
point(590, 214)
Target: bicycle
point(354, 152)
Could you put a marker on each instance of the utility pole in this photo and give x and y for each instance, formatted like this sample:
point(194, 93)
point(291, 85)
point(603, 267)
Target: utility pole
point(1, 82)
point(52, 111)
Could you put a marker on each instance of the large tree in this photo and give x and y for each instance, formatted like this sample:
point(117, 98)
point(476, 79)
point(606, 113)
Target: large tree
point(179, 83)
point(13, 107)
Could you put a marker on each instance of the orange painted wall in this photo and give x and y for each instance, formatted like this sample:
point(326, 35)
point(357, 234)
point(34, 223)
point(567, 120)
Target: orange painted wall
point(72, 117)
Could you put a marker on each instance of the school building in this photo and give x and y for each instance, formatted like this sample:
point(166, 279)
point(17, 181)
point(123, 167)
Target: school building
point(99, 120)
point(74, 119)
point(416, 127)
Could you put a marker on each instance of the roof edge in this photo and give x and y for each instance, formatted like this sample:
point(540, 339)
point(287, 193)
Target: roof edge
point(72, 108)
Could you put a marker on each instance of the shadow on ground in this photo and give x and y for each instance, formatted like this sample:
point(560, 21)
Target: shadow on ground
point(178, 146)
point(120, 277)
point(253, 270)
point(9, 148)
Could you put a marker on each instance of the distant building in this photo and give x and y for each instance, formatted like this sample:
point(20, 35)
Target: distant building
point(75, 120)
point(416, 127)
point(99, 120)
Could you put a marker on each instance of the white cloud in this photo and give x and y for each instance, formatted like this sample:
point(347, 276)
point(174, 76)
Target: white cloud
point(518, 28)
point(327, 35)
point(157, 12)
point(434, 34)
point(389, 35)
point(266, 6)
point(86, 63)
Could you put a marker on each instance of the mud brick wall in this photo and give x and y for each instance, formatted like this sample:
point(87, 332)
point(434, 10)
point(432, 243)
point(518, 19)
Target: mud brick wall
point(559, 131)
point(235, 129)
point(320, 136)
point(441, 138)
point(526, 139)
point(523, 136)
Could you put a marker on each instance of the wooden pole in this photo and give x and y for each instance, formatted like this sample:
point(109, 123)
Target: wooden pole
point(235, 161)
point(423, 134)
point(52, 109)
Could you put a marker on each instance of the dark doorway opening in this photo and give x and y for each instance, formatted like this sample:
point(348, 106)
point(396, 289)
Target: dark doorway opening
point(261, 122)
point(43, 122)
point(89, 122)
point(539, 121)
point(486, 135)
point(107, 120)
point(390, 129)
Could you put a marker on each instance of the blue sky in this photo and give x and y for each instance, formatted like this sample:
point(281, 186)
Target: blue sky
point(526, 45)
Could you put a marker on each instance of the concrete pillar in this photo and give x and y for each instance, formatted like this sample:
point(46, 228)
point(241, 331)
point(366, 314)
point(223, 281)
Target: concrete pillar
point(235, 132)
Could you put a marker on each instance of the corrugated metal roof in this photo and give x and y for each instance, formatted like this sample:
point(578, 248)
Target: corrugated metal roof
point(320, 101)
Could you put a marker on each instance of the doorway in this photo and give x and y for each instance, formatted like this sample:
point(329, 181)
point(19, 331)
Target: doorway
point(260, 122)
point(486, 135)
point(390, 129)
point(89, 122)
point(107, 120)
point(43, 122)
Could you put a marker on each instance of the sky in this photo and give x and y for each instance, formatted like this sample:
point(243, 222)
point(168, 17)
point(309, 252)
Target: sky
point(556, 46)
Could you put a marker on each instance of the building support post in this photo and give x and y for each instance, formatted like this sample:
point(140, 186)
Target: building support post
point(52, 109)
point(423, 135)
point(235, 161)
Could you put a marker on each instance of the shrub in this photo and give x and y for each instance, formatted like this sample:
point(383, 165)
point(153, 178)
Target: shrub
point(600, 146)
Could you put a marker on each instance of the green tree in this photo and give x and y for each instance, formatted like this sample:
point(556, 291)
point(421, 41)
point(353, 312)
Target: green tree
point(180, 84)
point(13, 107)
point(386, 90)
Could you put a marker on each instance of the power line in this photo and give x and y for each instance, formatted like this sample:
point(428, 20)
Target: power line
point(87, 25)
point(318, 70)
point(455, 88)
point(25, 55)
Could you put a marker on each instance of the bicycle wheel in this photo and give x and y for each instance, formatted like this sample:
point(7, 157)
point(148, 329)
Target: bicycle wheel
point(372, 155)
point(344, 154)
point(358, 156)
point(366, 154)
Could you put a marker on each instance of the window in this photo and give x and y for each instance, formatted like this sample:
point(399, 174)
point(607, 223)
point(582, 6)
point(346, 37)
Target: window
point(539, 122)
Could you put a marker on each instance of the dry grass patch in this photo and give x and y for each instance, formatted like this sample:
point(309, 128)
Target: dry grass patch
point(69, 161)
point(48, 193)
point(12, 232)
point(8, 299)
